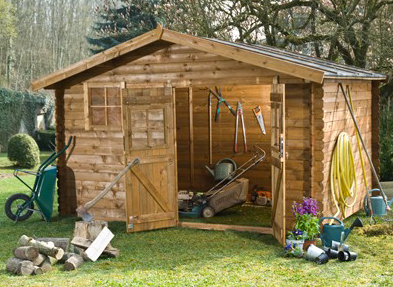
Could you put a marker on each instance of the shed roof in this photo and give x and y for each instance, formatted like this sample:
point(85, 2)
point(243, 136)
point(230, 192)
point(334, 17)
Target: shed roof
point(272, 58)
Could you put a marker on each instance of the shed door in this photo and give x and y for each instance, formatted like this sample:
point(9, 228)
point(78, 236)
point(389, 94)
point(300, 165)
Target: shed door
point(277, 98)
point(149, 134)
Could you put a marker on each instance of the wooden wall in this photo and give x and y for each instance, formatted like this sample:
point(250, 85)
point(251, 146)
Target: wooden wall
point(98, 155)
point(337, 119)
point(298, 143)
point(223, 134)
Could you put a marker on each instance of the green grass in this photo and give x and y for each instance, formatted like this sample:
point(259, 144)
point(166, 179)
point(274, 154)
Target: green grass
point(7, 167)
point(185, 257)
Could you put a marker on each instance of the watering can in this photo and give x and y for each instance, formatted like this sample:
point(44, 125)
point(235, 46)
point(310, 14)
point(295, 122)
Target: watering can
point(377, 203)
point(223, 169)
point(332, 232)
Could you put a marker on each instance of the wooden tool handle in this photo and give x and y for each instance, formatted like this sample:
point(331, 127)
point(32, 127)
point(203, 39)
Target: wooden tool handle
point(92, 202)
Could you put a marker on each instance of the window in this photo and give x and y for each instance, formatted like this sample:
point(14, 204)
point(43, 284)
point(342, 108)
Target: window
point(103, 109)
point(147, 127)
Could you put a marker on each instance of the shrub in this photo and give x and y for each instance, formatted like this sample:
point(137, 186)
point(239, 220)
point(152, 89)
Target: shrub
point(23, 151)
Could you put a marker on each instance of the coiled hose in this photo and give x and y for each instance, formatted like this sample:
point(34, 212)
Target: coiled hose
point(342, 174)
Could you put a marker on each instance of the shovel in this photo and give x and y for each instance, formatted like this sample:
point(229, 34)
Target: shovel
point(82, 209)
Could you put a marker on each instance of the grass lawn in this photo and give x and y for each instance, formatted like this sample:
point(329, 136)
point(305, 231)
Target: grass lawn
point(7, 168)
point(186, 257)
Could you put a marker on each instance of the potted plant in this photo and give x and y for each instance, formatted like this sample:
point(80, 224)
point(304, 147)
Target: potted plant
point(293, 250)
point(306, 219)
point(297, 237)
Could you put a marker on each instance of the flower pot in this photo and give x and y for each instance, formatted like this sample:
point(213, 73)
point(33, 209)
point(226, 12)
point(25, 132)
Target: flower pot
point(297, 242)
point(308, 243)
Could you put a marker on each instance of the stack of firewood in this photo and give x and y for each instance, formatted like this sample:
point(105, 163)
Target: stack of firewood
point(37, 255)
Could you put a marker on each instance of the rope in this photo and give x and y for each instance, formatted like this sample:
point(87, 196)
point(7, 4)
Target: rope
point(342, 175)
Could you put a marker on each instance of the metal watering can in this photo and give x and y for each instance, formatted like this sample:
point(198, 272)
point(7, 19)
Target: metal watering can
point(332, 232)
point(377, 203)
point(223, 169)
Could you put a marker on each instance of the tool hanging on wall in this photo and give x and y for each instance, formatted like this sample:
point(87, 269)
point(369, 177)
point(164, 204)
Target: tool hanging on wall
point(239, 113)
point(210, 128)
point(218, 95)
point(258, 114)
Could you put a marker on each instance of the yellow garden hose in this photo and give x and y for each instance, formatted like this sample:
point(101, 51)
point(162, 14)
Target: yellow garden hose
point(342, 174)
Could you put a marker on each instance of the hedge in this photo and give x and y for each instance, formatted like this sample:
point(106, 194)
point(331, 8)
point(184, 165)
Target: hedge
point(16, 106)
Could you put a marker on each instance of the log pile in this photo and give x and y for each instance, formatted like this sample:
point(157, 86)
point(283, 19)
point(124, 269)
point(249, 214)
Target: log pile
point(34, 256)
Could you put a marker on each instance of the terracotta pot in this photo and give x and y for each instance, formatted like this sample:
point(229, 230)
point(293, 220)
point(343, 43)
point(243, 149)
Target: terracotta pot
point(307, 243)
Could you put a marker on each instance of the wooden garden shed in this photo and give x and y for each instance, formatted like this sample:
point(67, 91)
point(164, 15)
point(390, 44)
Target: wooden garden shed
point(147, 98)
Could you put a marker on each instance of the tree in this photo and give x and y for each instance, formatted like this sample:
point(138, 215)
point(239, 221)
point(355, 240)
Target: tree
point(7, 33)
point(119, 23)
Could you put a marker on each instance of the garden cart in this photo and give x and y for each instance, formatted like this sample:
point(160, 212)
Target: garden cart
point(20, 206)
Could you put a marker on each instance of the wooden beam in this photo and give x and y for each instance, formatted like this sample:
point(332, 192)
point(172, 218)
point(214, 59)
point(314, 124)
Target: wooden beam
point(222, 227)
point(249, 57)
point(375, 148)
point(150, 188)
point(191, 142)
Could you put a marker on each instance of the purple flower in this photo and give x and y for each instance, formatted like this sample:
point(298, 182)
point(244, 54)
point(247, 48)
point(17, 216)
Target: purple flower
point(288, 246)
point(308, 206)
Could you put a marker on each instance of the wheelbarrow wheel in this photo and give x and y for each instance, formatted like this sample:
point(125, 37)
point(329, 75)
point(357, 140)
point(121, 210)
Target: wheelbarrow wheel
point(14, 202)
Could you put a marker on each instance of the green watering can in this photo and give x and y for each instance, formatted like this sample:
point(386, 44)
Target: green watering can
point(332, 232)
point(224, 169)
point(377, 203)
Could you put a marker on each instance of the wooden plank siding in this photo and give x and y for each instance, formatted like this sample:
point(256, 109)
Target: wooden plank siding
point(99, 154)
point(298, 146)
point(337, 119)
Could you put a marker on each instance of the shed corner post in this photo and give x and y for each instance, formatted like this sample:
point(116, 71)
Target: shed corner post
point(60, 144)
point(375, 147)
point(316, 142)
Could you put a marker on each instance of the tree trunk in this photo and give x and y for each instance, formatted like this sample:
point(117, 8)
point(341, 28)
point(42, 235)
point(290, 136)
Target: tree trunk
point(73, 262)
point(26, 252)
point(20, 266)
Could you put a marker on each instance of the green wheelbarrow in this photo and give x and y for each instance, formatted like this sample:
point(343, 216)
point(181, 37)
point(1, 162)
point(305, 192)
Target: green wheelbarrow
point(20, 206)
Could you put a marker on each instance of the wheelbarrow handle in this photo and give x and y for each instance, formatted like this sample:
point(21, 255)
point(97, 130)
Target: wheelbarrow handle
point(69, 141)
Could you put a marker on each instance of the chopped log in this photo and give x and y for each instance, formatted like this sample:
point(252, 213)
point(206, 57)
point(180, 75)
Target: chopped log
point(48, 263)
point(46, 248)
point(66, 256)
point(73, 262)
point(26, 252)
point(89, 230)
point(20, 266)
point(37, 270)
point(62, 243)
point(39, 259)
point(85, 243)
point(80, 251)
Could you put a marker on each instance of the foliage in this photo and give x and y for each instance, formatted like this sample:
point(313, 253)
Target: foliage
point(119, 23)
point(46, 139)
point(293, 250)
point(296, 234)
point(305, 214)
point(23, 151)
point(308, 224)
point(386, 140)
point(18, 106)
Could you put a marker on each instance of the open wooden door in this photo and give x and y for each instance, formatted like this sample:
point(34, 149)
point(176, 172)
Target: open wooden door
point(277, 98)
point(149, 134)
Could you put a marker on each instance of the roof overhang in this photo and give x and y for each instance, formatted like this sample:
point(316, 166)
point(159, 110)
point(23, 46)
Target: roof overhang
point(55, 79)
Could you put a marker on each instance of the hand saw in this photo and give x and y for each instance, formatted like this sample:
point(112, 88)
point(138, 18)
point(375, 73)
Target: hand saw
point(258, 114)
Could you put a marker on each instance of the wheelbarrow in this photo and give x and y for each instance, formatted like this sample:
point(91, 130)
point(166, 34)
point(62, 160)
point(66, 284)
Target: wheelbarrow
point(20, 206)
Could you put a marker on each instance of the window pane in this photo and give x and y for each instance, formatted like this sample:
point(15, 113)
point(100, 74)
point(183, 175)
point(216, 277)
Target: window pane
point(114, 116)
point(156, 138)
point(98, 116)
point(156, 118)
point(138, 118)
point(139, 139)
point(97, 96)
point(113, 96)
